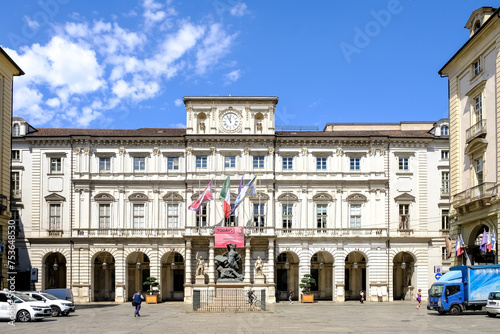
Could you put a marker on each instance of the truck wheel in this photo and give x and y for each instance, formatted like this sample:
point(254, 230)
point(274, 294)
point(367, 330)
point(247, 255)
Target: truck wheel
point(492, 314)
point(455, 310)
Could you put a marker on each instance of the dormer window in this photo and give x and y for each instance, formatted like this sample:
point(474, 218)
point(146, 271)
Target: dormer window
point(477, 25)
point(16, 130)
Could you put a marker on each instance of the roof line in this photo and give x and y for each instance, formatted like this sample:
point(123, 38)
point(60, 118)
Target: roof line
point(21, 72)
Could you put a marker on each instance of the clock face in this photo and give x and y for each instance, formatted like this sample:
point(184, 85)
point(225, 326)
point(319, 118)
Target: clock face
point(230, 121)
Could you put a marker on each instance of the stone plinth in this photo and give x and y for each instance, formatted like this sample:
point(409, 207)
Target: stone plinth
point(200, 280)
point(261, 279)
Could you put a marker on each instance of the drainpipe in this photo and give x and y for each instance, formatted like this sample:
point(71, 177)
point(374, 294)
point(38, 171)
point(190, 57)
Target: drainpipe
point(388, 187)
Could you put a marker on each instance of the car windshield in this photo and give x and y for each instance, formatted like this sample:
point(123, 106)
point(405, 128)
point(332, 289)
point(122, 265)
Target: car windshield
point(23, 297)
point(436, 291)
point(494, 296)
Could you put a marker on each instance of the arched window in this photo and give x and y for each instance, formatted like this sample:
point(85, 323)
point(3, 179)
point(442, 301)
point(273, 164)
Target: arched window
point(445, 131)
point(16, 130)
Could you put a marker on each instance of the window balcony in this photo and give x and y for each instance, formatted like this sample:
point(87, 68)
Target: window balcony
point(127, 232)
point(16, 194)
point(477, 130)
point(331, 232)
point(55, 233)
point(479, 196)
point(404, 223)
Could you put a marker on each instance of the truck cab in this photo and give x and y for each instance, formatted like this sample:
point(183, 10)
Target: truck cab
point(446, 297)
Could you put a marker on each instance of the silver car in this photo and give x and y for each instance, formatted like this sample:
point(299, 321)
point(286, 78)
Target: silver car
point(58, 306)
point(493, 304)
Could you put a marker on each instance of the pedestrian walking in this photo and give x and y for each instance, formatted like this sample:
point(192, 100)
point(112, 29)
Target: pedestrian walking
point(137, 300)
point(361, 296)
point(290, 295)
point(419, 298)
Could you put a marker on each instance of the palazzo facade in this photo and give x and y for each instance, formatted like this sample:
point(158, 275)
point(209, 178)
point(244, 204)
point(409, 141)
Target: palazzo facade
point(358, 206)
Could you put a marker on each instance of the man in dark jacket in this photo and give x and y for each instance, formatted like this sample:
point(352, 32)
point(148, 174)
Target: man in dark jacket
point(137, 299)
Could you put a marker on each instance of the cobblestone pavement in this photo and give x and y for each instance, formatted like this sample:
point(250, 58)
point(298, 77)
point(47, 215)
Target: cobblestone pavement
point(322, 317)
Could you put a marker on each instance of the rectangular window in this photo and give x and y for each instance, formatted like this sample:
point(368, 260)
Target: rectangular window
point(287, 215)
point(172, 163)
point(403, 163)
point(17, 221)
point(201, 161)
point(104, 216)
point(320, 163)
point(354, 164)
point(55, 217)
point(321, 215)
point(478, 109)
point(173, 216)
point(55, 165)
point(444, 253)
point(258, 215)
point(478, 166)
point(477, 67)
point(445, 220)
point(404, 216)
point(355, 216)
point(104, 165)
point(201, 216)
point(288, 163)
point(138, 215)
point(15, 155)
point(258, 162)
point(15, 183)
point(230, 162)
point(445, 182)
point(445, 155)
point(139, 164)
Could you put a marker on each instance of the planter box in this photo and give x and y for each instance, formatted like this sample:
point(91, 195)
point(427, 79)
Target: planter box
point(307, 298)
point(152, 299)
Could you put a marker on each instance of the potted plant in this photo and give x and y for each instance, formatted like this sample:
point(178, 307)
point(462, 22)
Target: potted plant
point(306, 284)
point(153, 290)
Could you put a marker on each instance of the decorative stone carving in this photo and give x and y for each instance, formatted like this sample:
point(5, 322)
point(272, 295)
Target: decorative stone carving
point(200, 267)
point(86, 151)
point(121, 151)
point(173, 197)
point(259, 126)
point(372, 151)
point(213, 150)
point(356, 198)
point(339, 151)
point(246, 150)
point(322, 197)
point(258, 267)
point(304, 151)
point(156, 151)
point(288, 197)
point(138, 197)
point(189, 150)
point(102, 197)
point(78, 150)
point(270, 150)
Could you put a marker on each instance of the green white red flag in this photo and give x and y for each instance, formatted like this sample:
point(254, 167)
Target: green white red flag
point(226, 195)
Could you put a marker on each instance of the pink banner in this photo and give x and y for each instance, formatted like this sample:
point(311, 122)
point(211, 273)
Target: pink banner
point(233, 235)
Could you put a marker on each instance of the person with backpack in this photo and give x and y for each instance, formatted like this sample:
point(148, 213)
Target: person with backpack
point(136, 301)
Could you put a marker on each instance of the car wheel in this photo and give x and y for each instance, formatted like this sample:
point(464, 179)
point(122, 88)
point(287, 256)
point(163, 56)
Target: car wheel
point(23, 316)
point(455, 310)
point(55, 311)
point(65, 313)
point(491, 314)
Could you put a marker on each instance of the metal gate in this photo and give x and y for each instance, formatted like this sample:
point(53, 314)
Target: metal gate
point(227, 300)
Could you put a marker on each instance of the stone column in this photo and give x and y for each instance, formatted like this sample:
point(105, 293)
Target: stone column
point(211, 262)
point(270, 262)
point(188, 261)
point(247, 260)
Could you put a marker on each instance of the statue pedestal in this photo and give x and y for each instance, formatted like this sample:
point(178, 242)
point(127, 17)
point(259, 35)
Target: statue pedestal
point(200, 280)
point(260, 279)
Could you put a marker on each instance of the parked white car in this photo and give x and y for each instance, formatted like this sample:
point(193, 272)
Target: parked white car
point(57, 305)
point(493, 304)
point(20, 307)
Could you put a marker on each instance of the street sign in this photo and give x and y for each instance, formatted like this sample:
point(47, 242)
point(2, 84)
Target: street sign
point(438, 276)
point(437, 269)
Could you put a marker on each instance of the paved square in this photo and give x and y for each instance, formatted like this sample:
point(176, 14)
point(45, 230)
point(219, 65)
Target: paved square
point(322, 317)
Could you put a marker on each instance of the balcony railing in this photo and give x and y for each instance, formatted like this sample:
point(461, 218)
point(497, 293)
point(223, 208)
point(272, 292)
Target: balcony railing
point(485, 190)
point(331, 232)
point(128, 232)
point(55, 233)
point(476, 130)
point(445, 191)
point(16, 194)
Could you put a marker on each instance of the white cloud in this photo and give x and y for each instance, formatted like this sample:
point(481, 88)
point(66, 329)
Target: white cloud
point(232, 77)
point(54, 102)
point(216, 45)
point(31, 23)
point(178, 102)
point(239, 9)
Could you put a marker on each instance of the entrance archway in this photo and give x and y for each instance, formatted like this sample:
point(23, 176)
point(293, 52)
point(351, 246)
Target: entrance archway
point(322, 272)
point(137, 273)
point(55, 271)
point(355, 275)
point(287, 274)
point(104, 277)
point(172, 276)
point(474, 252)
point(402, 276)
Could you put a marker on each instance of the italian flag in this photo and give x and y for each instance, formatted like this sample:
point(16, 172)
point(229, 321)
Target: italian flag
point(226, 195)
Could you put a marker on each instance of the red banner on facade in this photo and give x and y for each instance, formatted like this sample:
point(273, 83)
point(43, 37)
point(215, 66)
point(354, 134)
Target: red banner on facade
point(233, 235)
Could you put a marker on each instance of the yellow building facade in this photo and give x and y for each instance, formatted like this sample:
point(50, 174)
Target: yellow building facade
point(8, 69)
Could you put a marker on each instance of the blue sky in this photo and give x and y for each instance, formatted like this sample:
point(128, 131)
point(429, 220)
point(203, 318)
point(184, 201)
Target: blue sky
point(128, 63)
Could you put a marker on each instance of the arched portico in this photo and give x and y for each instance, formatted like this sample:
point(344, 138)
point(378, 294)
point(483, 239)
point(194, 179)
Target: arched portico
point(103, 283)
point(322, 272)
point(403, 276)
point(287, 274)
point(54, 271)
point(172, 276)
point(138, 270)
point(355, 275)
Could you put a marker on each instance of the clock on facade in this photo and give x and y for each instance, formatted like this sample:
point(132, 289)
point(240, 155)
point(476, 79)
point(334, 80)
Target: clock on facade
point(230, 121)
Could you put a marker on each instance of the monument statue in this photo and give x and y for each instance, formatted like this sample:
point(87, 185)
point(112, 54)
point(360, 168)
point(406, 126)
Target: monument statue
point(200, 267)
point(227, 265)
point(258, 267)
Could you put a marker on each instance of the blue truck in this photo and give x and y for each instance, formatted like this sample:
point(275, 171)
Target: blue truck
point(464, 288)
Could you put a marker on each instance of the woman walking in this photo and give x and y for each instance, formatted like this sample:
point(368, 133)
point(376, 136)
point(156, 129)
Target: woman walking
point(290, 295)
point(419, 298)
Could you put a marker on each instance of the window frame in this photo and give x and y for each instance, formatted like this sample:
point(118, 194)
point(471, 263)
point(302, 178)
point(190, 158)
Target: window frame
point(259, 214)
point(230, 161)
point(355, 215)
point(354, 163)
point(287, 163)
point(202, 216)
point(320, 163)
point(104, 164)
point(258, 161)
point(287, 216)
point(404, 164)
point(139, 164)
point(173, 163)
point(137, 222)
point(445, 155)
point(445, 220)
point(321, 216)
point(15, 153)
point(404, 216)
point(105, 219)
point(55, 165)
point(201, 161)
point(172, 216)
point(55, 217)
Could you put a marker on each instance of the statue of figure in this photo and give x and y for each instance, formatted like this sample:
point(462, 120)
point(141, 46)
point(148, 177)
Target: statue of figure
point(227, 265)
point(258, 267)
point(232, 256)
point(200, 267)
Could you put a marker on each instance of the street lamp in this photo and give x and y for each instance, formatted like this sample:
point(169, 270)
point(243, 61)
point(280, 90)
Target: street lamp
point(104, 265)
point(355, 265)
point(138, 265)
point(403, 264)
point(55, 265)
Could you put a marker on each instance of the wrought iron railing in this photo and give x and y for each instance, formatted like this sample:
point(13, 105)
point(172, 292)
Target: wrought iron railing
point(483, 191)
point(476, 130)
point(331, 232)
point(55, 233)
point(128, 232)
point(227, 300)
